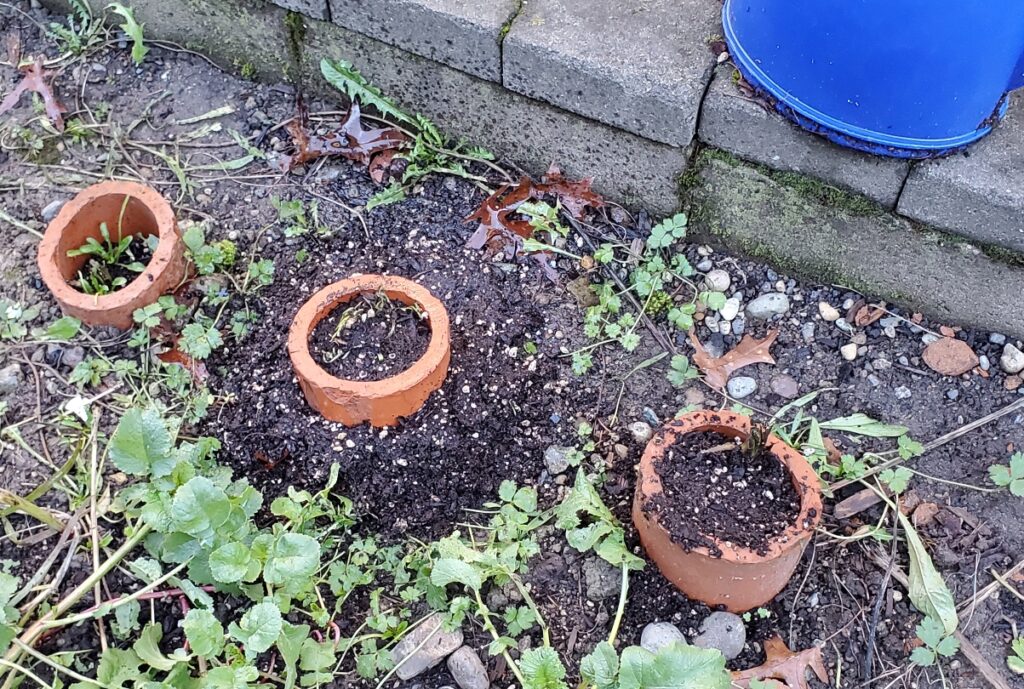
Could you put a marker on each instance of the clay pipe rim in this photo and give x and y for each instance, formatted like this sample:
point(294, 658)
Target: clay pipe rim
point(167, 249)
point(328, 299)
point(730, 424)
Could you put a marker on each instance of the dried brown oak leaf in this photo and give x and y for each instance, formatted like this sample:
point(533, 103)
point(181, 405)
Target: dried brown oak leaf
point(868, 314)
point(501, 229)
point(783, 665)
point(350, 141)
point(37, 80)
point(949, 356)
point(748, 351)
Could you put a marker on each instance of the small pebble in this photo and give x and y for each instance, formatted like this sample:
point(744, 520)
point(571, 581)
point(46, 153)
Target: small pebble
point(724, 631)
point(1012, 360)
point(658, 635)
point(903, 392)
point(641, 431)
point(731, 309)
point(768, 305)
point(556, 459)
point(741, 386)
point(849, 351)
point(717, 280)
point(828, 312)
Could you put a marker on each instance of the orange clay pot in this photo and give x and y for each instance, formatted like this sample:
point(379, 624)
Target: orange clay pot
point(381, 402)
point(146, 214)
point(740, 579)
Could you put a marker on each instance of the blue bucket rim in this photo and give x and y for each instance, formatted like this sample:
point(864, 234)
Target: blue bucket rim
point(841, 132)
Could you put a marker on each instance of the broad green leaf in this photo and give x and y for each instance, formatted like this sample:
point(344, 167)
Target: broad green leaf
point(230, 562)
point(923, 656)
point(147, 647)
point(141, 444)
point(118, 667)
point(199, 507)
point(293, 559)
point(928, 592)
point(675, 666)
point(601, 667)
point(450, 571)
point(290, 645)
point(63, 328)
point(225, 677)
point(259, 627)
point(204, 632)
point(542, 669)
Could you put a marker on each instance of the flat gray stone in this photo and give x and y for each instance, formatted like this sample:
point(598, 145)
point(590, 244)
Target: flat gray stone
point(736, 124)
point(466, 668)
point(465, 35)
point(640, 66)
point(317, 9)
point(724, 631)
point(657, 635)
point(424, 647)
point(978, 194)
point(874, 254)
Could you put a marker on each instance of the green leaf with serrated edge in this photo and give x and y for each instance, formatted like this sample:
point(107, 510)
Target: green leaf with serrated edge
point(199, 507)
point(922, 656)
point(601, 667)
point(141, 444)
point(259, 627)
point(451, 571)
point(948, 646)
point(347, 79)
point(542, 669)
point(204, 632)
point(928, 592)
point(147, 647)
point(675, 666)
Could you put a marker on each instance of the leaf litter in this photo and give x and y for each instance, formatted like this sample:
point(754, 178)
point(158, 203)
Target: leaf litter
point(784, 665)
point(35, 79)
point(748, 351)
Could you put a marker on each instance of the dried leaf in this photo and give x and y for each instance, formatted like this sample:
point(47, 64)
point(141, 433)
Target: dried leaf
point(350, 140)
point(925, 513)
point(196, 368)
point(37, 79)
point(575, 195)
point(13, 43)
point(501, 230)
point(784, 665)
point(748, 351)
point(868, 314)
point(950, 357)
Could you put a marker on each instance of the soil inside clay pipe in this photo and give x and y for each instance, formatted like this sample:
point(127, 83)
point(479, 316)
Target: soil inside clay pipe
point(130, 264)
point(711, 487)
point(370, 338)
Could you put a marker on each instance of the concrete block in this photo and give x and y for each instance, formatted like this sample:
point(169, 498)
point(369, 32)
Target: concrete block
point(978, 194)
point(317, 9)
point(639, 66)
point(463, 34)
point(731, 121)
point(879, 254)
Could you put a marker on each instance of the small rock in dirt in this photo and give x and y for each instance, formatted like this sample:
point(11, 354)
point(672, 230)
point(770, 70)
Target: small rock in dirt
point(467, 669)
point(73, 356)
point(953, 395)
point(997, 339)
point(807, 332)
point(730, 309)
point(705, 265)
point(1012, 383)
point(768, 305)
point(984, 363)
point(724, 631)
point(849, 351)
point(785, 386)
point(641, 431)
point(718, 280)
point(1012, 360)
point(844, 326)
point(694, 397)
point(52, 209)
point(739, 325)
point(658, 635)
point(556, 458)
point(902, 392)
point(413, 659)
point(741, 386)
point(828, 312)
point(603, 579)
point(10, 377)
point(650, 417)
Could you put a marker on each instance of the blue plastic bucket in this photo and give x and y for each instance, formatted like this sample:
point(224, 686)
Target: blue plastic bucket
point(904, 78)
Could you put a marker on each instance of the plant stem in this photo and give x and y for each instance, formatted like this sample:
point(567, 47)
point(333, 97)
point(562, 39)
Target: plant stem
point(620, 611)
point(489, 626)
point(525, 593)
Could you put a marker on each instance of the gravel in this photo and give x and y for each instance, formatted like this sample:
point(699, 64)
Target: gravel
point(828, 312)
point(768, 305)
point(1012, 360)
point(556, 459)
point(718, 280)
point(741, 386)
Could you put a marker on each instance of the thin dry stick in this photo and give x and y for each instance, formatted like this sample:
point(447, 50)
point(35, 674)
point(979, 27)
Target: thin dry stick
point(967, 607)
point(1006, 585)
point(969, 650)
point(938, 442)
